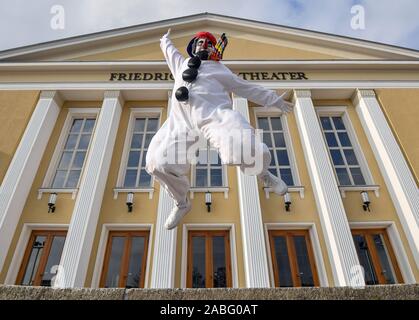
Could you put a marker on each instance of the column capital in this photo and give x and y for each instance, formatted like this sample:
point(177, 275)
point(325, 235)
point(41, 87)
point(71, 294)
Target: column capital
point(362, 93)
point(303, 93)
point(236, 97)
point(114, 94)
point(366, 93)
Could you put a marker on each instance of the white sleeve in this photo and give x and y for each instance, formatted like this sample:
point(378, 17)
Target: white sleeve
point(254, 92)
point(172, 55)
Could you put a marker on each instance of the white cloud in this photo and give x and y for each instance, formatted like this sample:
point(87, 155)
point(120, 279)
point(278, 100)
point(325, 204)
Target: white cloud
point(26, 22)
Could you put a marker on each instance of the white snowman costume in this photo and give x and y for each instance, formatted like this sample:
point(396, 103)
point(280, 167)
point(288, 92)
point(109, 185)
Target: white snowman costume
point(209, 111)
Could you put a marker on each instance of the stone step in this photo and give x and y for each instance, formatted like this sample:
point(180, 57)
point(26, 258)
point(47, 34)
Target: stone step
point(381, 292)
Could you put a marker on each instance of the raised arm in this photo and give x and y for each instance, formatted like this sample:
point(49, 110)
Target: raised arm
point(172, 55)
point(258, 94)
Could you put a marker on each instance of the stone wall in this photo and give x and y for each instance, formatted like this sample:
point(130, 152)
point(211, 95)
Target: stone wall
point(394, 292)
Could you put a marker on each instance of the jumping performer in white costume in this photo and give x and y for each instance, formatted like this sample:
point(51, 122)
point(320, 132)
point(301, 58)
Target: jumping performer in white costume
point(201, 102)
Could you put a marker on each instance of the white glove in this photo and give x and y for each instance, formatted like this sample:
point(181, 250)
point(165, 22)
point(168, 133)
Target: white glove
point(168, 32)
point(286, 105)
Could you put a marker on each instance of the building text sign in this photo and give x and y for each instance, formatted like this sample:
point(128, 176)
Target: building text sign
point(167, 76)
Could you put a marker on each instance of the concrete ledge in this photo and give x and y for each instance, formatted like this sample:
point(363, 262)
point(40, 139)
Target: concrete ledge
point(46, 293)
point(387, 292)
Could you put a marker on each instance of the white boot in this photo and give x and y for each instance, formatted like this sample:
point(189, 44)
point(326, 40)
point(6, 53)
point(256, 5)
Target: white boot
point(178, 212)
point(276, 184)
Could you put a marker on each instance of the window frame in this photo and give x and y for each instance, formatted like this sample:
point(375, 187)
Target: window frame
point(224, 175)
point(128, 234)
point(342, 111)
point(73, 113)
point(260, 112)
point(367, 232)
point(103, 241)
point(50, 233)
point(135, 113)
point(289, 233)
point(208, 234)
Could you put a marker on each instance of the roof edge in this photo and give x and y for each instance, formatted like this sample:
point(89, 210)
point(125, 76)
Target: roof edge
point(53, 44)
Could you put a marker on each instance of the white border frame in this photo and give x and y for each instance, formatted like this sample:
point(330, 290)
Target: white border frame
point(22, 244)
point(47, 182)
point(208, 227)
point(104, 236)
point(396, 244)
point(135, 112)
point(315, 242)
point(342, 111)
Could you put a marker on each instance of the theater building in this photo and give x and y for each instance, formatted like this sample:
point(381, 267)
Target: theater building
point(76, 118)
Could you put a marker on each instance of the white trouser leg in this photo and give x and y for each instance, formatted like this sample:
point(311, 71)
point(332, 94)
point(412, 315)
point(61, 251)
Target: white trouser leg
point(171, 173)
point(228, 130)
point(172, 177)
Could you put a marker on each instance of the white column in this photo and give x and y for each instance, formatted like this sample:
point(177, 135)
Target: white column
point(24, 166)
point(79, 241)
point(338, 238)
point(164, 257)
point(254, 247)
point(397, 176)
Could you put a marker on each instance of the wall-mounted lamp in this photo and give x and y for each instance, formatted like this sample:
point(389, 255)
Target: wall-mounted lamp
point(51, 202)
point(365, 200)
point(208, 200)
point(287, 200)
point(130, 201)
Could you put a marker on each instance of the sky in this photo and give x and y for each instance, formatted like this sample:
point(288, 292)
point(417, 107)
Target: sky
point(25, 22)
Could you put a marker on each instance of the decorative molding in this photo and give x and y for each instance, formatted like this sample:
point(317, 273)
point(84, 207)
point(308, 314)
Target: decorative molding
point(289, 85)
point(366, 93)
point(302, 94)
point(41, 191)
point(117, 191)
point(344, 189)
point(331, 110)
point(393, 166)
point(341, 249)
point(21, 173)
point(293, 189)
point(80, 237)
point(194, 190)
point(254, 246)
point(362, 93)
point(114, 94)
point(50, 94)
